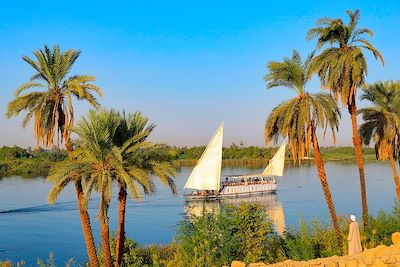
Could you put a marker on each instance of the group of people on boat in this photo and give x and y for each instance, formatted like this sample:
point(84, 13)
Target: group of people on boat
point(235, 182)
point(243, 181)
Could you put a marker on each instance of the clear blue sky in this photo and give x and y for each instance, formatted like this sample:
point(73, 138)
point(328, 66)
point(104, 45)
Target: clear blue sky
point(187, 65)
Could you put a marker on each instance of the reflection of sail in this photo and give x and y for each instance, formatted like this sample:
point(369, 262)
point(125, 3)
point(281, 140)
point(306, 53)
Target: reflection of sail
point(273, 208)
point(195, 208)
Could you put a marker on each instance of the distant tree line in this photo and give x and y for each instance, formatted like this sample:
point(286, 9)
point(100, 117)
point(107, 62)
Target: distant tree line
point(232, 152)
point(240, 152)
point(38, 154)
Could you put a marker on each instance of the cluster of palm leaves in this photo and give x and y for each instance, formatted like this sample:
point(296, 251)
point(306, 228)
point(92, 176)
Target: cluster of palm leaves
point(341, 68)
point(381, 122)
point(111, 148)
point(52, 107)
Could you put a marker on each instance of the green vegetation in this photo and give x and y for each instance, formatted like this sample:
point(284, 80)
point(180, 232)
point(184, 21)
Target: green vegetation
point(50, 105)
point(28, 162)
point(382, 122)
point(113, 148)
point(237, 155)
point(243, 232)
point(38, 162)
point(215, 239)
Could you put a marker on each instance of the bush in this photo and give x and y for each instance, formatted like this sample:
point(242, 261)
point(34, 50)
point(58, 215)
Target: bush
point(310, 242)
point(135, 255)
point(216, 238)
point(381, 227)
point(13, 153)
point(50, 262)
point(201, 241)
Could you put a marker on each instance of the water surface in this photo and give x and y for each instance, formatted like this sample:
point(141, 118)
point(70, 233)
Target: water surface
point(30, 228)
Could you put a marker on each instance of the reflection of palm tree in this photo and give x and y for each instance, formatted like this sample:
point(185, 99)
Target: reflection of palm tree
point(342, 69)
point(382, 122)
point(53, 113)
point(298, 119)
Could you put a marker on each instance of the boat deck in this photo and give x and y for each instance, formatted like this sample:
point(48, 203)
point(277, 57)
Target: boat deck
point(237, 190)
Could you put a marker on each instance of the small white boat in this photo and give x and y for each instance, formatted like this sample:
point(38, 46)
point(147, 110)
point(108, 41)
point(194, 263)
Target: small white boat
point(205, 179)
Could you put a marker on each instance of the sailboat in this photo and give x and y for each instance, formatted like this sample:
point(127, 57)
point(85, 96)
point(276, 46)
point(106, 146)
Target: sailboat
point(205, 179)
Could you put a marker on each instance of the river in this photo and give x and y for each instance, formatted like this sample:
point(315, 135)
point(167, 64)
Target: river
point(30, 228)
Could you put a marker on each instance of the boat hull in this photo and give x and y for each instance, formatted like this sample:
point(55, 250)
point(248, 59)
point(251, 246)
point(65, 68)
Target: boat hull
point(237, 191)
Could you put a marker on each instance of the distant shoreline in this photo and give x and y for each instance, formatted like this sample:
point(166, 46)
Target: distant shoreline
point(32, 168)
point(38, 162)
point(261, 161)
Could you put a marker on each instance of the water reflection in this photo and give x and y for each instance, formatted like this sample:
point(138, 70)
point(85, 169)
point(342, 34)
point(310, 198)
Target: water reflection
point(273, 208)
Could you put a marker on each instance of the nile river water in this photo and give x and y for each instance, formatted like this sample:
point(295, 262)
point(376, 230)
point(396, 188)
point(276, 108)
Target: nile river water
point(30, 228)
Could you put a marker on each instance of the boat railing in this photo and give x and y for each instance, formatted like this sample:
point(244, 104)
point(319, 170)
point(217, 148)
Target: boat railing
point(247, 183)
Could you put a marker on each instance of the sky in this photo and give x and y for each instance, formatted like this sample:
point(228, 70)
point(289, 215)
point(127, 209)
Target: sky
point(186, 65)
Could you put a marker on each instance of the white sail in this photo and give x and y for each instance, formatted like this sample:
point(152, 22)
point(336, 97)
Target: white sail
point(206, 175)
point(277, 163)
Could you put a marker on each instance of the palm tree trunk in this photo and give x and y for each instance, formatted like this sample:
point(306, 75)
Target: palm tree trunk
point(105, 241)
point(325, 188)
point(85, 218)
point(121, 225)
point(86, 228)
point(357, 148)
point(395, 176)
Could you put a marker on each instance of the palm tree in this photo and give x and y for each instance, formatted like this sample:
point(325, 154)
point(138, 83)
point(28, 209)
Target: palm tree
point(51, 107)
point(382, 122)
point(298, 119)
point(142, 159)
point(95, 162)
point(113, 147)
point(342, 68)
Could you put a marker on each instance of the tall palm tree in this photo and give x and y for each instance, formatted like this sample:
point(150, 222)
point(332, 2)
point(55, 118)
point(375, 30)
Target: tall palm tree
point(382, 122)
point(342, 68)
point(51, 107)
point(95, 162)
point(113, 147)
point(298, 119)
point(141, 159)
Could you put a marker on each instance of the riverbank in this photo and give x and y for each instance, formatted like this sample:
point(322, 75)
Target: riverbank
point(37, 162)
point(32, 168)
point(25, 168)
point(379, 256)
point(154, 219)
point(218, 239)
point(264, 162)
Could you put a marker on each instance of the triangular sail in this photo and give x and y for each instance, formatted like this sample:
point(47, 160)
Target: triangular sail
point(206, 175)
point(277, 163)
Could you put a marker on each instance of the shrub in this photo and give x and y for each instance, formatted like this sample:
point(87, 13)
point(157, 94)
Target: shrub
point(215, 238)
point(381, 227)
